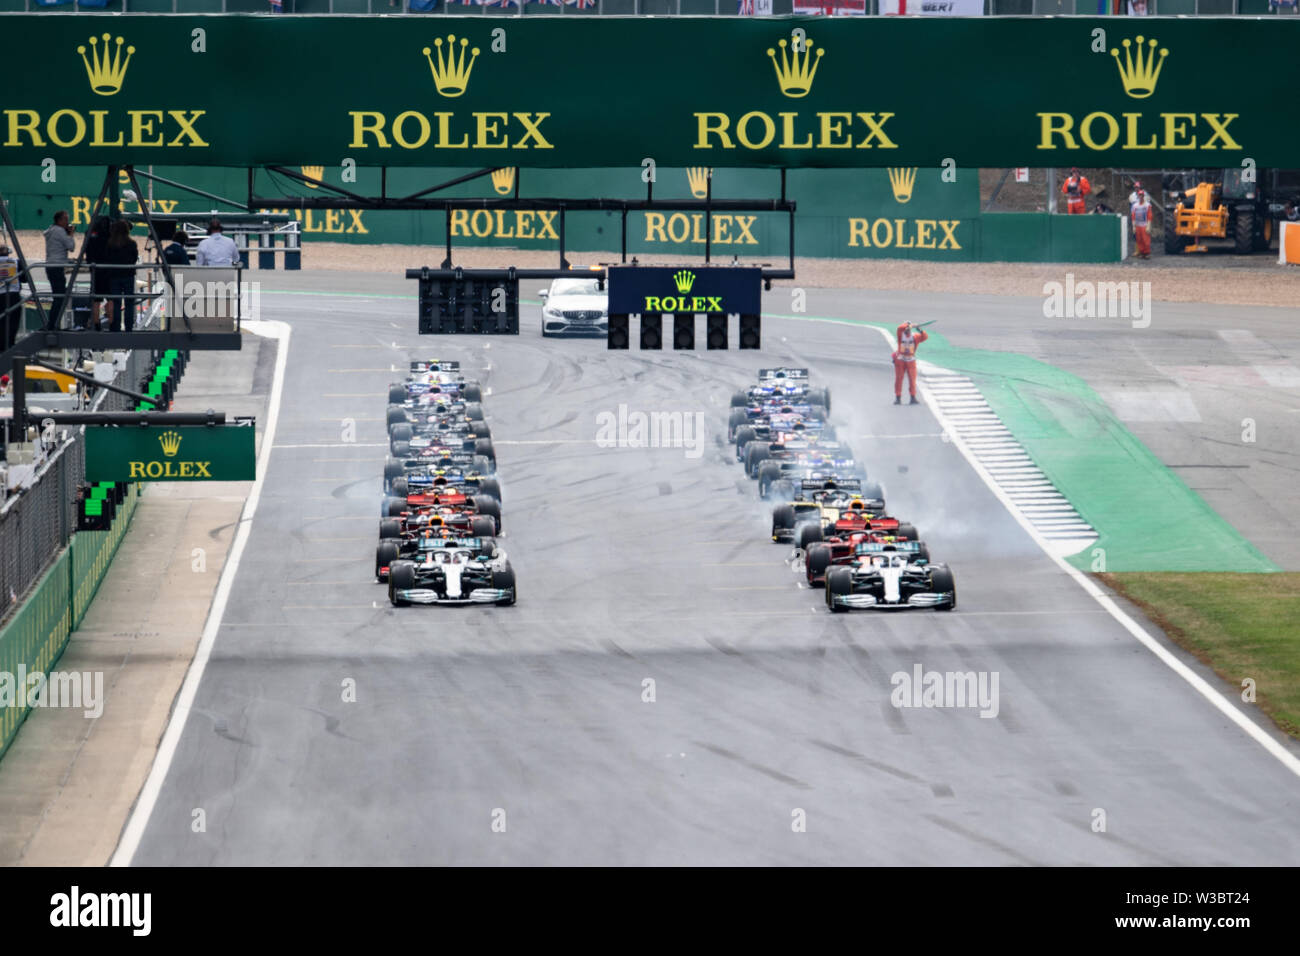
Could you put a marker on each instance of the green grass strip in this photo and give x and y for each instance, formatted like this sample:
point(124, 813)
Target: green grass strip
point(1242, 625)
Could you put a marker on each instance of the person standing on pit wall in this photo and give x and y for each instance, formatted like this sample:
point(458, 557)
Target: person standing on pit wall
point(217, 249)
point(1075, 187)
point(96, 246)
point(909, 337)
point(1141, 214)
point(175, 252)
point(11, 302)
point(59, 242)
point(122, 251)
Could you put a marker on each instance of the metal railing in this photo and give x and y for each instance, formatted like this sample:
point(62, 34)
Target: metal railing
point(41, 513)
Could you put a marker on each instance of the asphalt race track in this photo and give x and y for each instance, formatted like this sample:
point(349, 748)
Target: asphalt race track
point(638, 564)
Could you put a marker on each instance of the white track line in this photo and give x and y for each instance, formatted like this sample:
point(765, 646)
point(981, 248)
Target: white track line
point(1198, 683)
point(144, 804)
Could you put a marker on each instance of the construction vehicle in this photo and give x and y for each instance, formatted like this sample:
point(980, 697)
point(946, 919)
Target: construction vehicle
point(1224, 205)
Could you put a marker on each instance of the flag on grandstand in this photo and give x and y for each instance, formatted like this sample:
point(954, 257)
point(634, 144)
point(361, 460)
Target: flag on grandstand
point(421, 6)
point(841, 8)
point(932, 8)
point(580, 4)
point(754, 8)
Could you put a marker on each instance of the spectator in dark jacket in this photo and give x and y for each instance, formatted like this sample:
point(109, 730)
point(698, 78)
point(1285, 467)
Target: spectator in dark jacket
point(175, 252)
point(96, 253)
point(122, 251)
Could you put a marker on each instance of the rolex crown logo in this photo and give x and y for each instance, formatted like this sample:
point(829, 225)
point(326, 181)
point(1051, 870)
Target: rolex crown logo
point(794, 74)
point(1137, 72)
point(698, 179)
point(105, 67)
point(451, 74)
point(684, 280)
point(901, 180)
point(171, 443)
point(503, 180)
point(313, 173)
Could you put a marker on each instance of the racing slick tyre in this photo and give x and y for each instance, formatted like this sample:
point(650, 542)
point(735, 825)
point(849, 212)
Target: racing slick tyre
point(389, 528)
point(385, 555)
point(481, 430)
point(392, 507)
point(487, 505)
point(490, 487)
point(482, 526)
point(907, 531)
point(941, 579)
point(839, 581)
point(472, 393)
point(817, 560)
point(782, 490)
point(744, 435)
point(396, 394)
point(474, 412)
point(782, 520)
point(400, 449)
point(807, 534)
point(483, 446)
point(739, 399)
point(401, 577)
point(503, 578)
point(737, 418)
point(755, 454)
point(818, 413)
point(393, 468)
point(923, 551)
point(399, 488)
point(399, 431)
point(768, 473)
point(820, 396)
point(873, 490)
point(396, 414)
point(484, 465)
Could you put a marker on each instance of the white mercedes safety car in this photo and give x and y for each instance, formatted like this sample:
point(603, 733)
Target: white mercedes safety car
point(576, 306)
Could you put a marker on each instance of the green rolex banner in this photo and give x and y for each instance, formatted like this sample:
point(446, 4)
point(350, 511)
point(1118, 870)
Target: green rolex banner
point(641, 93)
point(175, 453)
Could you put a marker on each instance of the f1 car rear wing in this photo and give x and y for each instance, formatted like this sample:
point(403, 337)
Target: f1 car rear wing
point(889, 547)
point(453, 481)
point(827, 484)
point(437, 544)
point(434, 365)
point(776, 374)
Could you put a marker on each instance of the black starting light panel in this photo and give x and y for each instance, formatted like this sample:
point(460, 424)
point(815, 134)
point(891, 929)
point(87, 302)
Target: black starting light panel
point(467, 303)
point(635, 290)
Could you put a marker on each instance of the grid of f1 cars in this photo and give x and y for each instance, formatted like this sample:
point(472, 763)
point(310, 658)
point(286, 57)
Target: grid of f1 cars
point(441, 513)
point(845, 541)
